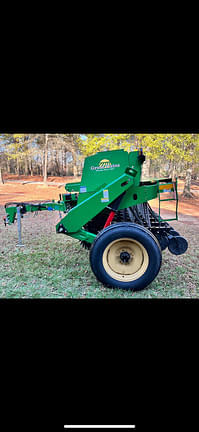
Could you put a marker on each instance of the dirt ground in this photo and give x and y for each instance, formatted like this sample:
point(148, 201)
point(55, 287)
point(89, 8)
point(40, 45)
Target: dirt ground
point(27, 188)
point(38, 178)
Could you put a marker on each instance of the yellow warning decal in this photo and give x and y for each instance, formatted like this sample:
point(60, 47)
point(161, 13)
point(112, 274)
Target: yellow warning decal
point(105, 196)
point(166, 187)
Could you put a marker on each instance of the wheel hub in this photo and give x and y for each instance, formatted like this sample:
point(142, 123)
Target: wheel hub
point(125, 257)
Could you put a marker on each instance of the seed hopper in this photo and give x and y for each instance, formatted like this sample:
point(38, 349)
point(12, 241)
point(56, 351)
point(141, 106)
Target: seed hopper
point(109, 213)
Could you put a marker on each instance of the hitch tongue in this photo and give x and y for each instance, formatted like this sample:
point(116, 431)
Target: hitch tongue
point(19, 226)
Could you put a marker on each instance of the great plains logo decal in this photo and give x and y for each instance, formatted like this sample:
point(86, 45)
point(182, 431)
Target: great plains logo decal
point(105, 164)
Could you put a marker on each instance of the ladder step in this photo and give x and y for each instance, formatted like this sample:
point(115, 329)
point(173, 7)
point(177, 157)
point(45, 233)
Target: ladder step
point(169, 219)
point(170, 199)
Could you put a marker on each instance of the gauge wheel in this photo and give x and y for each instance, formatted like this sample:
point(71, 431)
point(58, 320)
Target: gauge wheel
point(125, 255)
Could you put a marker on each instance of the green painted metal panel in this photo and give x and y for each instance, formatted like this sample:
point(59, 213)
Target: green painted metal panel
point(87, 209)
point(103, 167)
point(137, 195)
point(83, 235)
point(72, 187)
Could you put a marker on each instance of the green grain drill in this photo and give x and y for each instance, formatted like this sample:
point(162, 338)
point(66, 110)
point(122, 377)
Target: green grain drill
point(108, 211)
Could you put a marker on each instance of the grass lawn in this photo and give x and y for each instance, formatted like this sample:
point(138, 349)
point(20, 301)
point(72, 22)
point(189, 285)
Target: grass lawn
point(55, 266)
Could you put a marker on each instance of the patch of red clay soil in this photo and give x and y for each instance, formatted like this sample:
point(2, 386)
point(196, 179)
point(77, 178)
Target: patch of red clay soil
point(18, 192)
point(38, 178)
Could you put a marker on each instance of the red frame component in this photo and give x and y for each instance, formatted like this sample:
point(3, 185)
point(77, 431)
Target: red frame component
point(110, 218)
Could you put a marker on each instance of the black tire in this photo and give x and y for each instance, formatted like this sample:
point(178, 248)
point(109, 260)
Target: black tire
point(106, 247)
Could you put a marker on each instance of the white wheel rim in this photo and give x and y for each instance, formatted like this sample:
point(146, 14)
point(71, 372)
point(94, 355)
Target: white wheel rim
point(125, 271)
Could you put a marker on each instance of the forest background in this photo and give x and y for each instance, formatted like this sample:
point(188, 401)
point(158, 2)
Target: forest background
point(167, 155)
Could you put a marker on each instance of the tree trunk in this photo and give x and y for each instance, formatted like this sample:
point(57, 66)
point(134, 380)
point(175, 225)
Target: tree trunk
point(30, 167)
point(8, 166)
point(65, 163)
point(66, 169)
point(17, 166)
point(145, 169)
point(45, 157)
point(187, 187)
point(63, 153)
point(73, 151)
point(75, 171)
point(56, 162)
point(26, 165)
point(1, 176)
point(170, 170)
point(74, 163)
point(174, 172)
